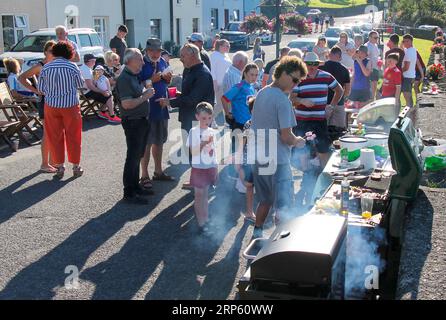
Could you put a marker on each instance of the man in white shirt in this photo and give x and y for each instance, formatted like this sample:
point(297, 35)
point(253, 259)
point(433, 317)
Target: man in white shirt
point(220, 63)
point(234, 73)
point(62, 35)
point(409, 65)
point(372, 46)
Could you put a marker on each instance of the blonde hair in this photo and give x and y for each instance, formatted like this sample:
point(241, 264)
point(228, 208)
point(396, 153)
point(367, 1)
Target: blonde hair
point(110, 55)
point(12, 65)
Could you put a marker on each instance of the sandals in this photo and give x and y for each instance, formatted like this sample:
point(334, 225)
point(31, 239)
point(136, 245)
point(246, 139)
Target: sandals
point(78, 171)
point(59, 173)
point(145, 183)
point(162, 177)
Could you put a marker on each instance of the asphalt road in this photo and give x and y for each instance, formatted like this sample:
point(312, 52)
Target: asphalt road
point(49, 230)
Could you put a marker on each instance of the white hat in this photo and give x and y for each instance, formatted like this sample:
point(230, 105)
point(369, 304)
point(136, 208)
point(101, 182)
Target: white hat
point(311, 57)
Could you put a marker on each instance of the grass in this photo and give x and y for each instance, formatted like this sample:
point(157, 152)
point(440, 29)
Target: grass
point(331, 3)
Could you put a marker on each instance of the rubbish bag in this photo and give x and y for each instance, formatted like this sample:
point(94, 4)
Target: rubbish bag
point(434, 157)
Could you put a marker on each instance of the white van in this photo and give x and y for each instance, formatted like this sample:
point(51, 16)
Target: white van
point(29, 50)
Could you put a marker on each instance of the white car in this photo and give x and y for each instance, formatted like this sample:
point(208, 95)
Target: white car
point(314, 12)
point(29, 50)
point(427, 27)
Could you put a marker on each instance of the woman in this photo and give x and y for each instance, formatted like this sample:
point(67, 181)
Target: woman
point(59, 81)
point(321, 49)
point(33, 73)
point(112, 67)
point(258, 52)
point(348, 50)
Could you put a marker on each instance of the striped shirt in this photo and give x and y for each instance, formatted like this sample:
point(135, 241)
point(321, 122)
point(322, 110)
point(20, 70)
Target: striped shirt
point(231, 78)
point(60, 81)
point(316, 90)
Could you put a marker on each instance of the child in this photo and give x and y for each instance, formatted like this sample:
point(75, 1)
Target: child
point(17, 89)
point(100, 80)
point(392, 79)
point(258, 84)
point(201, 142)
point(361, 86)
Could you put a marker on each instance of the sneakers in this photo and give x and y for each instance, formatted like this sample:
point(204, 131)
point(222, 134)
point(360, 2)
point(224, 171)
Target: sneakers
point(240, 186)
point(103, 115)
point(114, 119)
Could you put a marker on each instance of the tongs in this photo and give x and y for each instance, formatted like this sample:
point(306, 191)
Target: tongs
point(347, 170)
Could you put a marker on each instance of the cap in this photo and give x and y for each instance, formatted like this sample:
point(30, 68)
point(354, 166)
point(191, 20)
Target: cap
point(99, 67)
point(311, 57)
point(89, 57)
point(363, 48)
point(196, 37)
point(153, 44)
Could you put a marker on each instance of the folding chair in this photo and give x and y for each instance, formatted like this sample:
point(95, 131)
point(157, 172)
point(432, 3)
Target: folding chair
point(28, 104)
point(7, 130)
point(15, 113)
point(89, 107)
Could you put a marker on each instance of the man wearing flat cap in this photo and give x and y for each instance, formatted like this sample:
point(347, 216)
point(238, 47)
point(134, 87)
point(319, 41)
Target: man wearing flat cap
point(198, 40)
point(156, 73)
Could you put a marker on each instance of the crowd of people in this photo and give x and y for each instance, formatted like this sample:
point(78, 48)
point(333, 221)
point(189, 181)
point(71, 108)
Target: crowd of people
point(297, 95)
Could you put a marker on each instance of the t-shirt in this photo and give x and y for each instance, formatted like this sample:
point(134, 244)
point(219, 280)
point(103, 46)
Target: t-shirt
point(401, 54)
point(341, 74)
point(373, 54)
point(120, 45)
point(314, 89)
point(239, 96)
point(103, 83)
point(157, 113)
point(347, 59)
point(129, 87)
point(392, 78)
point(321, 52)
point(272, 112)
point(410, 54)
point(14, 84)
point(87, 74)
point(207, 158)
point(269, 65)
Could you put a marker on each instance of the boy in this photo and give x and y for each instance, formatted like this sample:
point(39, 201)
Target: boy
point(392, 79)
point(360, 93)
point(201, 142)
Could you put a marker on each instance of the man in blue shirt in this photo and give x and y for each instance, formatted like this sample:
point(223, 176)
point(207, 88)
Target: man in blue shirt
point(156, 73)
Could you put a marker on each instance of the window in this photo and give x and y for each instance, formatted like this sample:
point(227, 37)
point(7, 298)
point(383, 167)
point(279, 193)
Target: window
point(101, 26)
point(197, 2)
point(179, 1)
point(85, 40)
point(72, 37)
point(95, 40)
point(195, 25)
point(236, 15)
point(14, 29)
point(214, 19)
point(155, 28)
point(72, 22)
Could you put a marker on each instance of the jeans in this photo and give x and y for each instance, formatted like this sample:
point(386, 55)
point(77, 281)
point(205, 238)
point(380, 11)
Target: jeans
point(136, 132)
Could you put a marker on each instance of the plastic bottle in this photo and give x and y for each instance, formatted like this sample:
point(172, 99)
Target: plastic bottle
point(345, 195)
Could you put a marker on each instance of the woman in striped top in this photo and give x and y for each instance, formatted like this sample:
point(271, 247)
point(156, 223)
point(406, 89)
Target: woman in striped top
point(59, 82)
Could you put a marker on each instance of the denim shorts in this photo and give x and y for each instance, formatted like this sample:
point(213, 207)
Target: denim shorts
point(374, 76)
point(407, 85)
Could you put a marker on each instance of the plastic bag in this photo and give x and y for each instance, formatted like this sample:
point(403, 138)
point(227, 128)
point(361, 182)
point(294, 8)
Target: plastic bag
point(434, 158)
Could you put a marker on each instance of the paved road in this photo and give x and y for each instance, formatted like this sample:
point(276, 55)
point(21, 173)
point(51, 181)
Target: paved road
point(49, 229)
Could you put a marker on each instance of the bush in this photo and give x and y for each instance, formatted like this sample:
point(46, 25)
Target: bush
point(255, 22)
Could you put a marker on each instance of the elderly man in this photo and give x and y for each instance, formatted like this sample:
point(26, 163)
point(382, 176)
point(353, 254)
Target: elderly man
point(96, 94)
point(135, 115)
point(62, 35)
point(220, 63)
point(197, 87)
point(198, 40)
point(118, 44)
point(156, 70)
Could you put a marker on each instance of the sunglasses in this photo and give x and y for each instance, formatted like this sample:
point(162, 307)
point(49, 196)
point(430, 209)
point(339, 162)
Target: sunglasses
point(294, 79)
point(312, 64)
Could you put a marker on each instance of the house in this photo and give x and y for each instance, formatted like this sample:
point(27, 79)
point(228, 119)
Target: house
point(104, 16)
point(168, 20)
point(18, 18)
point(218, 13)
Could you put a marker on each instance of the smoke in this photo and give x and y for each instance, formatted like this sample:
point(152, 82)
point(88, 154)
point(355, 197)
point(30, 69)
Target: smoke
point(364, 262)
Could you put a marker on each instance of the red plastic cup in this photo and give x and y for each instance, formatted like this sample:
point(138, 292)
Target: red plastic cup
point(172, 92)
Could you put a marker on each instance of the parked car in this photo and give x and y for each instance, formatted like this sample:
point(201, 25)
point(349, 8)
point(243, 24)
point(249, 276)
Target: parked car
point(307, 44)
point(29, 50)
point(356, 29)
point(314, 12)
point(366, 28)
point(334, 32)
point(237, 37)
point(428, 27)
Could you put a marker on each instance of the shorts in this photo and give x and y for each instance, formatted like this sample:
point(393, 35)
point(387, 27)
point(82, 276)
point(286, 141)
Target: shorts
point(374, 76)
point(418, 74)
point(97, 97)
point(158, 132)
point(320, 128)
point(247, 171)
point(407, 85)
point(362, 95)
point(276, 189)
point(203, 178)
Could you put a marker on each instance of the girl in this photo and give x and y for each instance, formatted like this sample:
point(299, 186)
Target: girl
point(258, 84)
point(258, 52)
point(17, 89)
point(348, 50)
point(321, 49)
point(34, 72)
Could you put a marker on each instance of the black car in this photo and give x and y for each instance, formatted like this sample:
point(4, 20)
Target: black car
point(235, 36)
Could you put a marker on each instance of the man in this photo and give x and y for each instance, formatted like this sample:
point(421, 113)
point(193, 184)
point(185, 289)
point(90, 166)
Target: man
point(372, 46)
point(118, 44)
point(362, 69)
point(267, 75)
point(310, 98)
point(198, 40)
point(234, 73)
point(393, 45)
point(336, 123)
point(273, 116)
point(197, 87)
point(220, 63)
point(154, 70)
point(409, 66)
point(62, 35)
point(135, 114)
point(91, 91)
